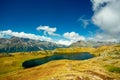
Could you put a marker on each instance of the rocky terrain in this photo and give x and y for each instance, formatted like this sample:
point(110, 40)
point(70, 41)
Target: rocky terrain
point(94, 44)
point(16, 44)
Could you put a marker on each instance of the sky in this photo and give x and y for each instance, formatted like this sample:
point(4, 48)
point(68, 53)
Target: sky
point(61, 21)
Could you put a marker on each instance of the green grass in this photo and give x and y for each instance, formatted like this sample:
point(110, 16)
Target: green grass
point(13, 63)
point(111, 68)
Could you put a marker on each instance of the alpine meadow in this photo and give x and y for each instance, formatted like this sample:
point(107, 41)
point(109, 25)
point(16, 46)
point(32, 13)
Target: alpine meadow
point(59, 39)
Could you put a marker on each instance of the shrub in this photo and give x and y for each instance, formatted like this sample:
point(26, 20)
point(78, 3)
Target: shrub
point(113, 69)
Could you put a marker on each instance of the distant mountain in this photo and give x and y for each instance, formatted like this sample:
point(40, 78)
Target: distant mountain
point(16, 44)
point(91, 43)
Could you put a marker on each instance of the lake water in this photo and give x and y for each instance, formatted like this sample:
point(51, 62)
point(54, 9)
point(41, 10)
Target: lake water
point(72, 56)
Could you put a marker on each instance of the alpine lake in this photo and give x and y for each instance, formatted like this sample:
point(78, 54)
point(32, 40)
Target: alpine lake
point(71, 56)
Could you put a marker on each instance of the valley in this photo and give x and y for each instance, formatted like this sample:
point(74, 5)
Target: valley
point(59, 39)
point(104, 66)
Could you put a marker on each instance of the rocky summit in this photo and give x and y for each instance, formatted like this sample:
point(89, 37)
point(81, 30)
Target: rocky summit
point(16, 44)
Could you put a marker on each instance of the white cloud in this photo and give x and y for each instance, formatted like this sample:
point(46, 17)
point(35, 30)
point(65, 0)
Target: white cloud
point(97, 4)
point(103, 37)
point(64, 42)
point(73, 36)
point(85, 22)
point(49, 30)
point(5, 33)
point(69, 38)
point(107, 18)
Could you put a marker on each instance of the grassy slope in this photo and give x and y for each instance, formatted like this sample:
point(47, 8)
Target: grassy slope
point(106, 66)
point(14, 62)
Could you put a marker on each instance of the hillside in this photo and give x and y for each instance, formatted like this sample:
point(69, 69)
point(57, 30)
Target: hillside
point(105, 66)
point(15, 44)
point(91, 43)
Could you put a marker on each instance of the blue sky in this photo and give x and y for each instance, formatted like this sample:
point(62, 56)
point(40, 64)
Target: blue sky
point(75, 17)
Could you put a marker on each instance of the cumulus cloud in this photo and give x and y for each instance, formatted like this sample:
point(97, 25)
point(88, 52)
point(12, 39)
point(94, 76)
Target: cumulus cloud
point(72, 36)
point(97, 4)
point(64, 42)
point(107, 18)
point(5, 33)
point(103, 37)
point(69, 37)
point(49, 30)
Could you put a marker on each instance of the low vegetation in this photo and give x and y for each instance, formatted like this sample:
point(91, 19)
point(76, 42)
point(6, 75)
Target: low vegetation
point(112, 68)
point(13, 62)
point(105, 66)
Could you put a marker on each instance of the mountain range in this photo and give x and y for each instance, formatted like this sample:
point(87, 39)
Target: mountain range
point(94, 44)
point(16, 44)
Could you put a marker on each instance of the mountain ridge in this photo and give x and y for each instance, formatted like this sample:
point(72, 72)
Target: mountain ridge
point(16, 44)
point(94, 44)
